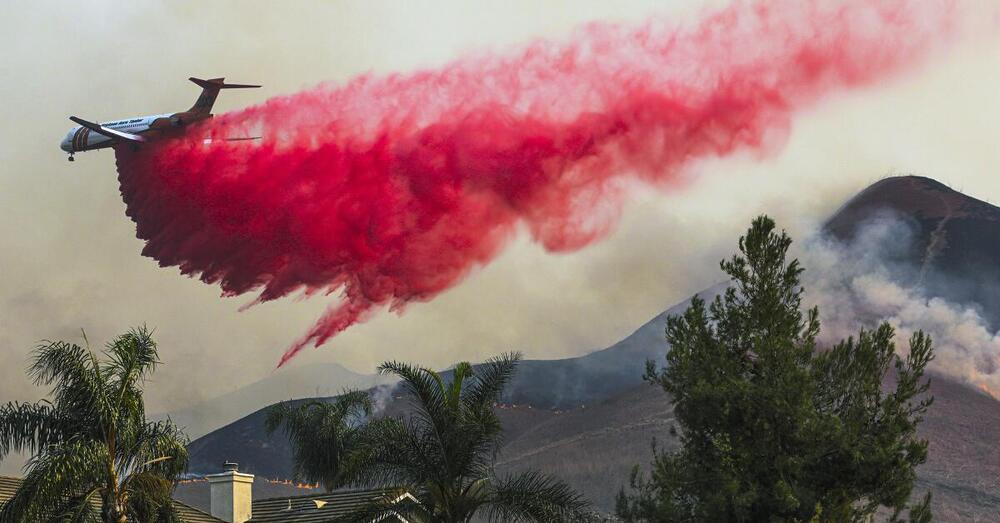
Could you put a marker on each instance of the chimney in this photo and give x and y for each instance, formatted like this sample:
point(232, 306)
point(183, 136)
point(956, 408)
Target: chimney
point(231, 494)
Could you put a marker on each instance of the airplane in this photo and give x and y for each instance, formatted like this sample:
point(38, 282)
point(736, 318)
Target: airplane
point(89, 136)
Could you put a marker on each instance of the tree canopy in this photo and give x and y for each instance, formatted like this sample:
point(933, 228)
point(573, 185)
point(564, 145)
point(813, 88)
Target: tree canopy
point(323, 434)
point(91, 444)
point(443, 454)
point(774, 428)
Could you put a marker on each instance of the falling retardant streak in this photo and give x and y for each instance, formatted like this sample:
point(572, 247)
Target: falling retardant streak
point(391, 189)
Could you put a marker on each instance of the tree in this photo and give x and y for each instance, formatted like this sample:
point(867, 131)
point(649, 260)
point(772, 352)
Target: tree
point(322, 435)
point(91, 444)
point(443, 454)
point(772, 428)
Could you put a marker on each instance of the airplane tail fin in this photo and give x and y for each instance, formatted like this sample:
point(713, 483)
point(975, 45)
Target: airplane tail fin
point(210, 91)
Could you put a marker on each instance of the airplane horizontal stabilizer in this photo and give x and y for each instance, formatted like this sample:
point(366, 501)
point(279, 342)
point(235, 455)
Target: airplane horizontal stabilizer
point(219, 83)
point(110, 133)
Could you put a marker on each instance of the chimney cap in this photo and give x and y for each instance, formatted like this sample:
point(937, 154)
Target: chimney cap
point(231, 466)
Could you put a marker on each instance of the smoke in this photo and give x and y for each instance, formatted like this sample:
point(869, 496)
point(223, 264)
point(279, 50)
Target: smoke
point(861, 284)
point(380, 397)
point(391, 189)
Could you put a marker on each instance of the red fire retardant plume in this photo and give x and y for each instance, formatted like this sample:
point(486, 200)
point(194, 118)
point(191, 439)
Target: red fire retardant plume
point(391, 189)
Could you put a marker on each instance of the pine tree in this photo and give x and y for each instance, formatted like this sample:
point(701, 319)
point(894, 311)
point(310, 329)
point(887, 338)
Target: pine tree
point(775, 428)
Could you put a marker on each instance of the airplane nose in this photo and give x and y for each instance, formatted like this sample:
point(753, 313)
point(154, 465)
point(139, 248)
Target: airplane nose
point(67, 143)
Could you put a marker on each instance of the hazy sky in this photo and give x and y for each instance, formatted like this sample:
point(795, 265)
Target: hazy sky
point(69, 258)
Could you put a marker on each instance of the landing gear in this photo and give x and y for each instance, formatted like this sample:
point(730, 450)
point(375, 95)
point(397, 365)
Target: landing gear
point(71, 157)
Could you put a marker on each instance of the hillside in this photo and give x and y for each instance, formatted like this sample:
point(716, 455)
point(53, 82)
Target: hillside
point(963, 468)
point(325, 379)
point(572, 382)
point(590, 419)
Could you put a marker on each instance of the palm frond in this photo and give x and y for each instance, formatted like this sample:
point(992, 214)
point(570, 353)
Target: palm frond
point(149, 497)
point(481, 438)
point(158, 447)
point(424, 384)
point(321, 433)
point(135, 351)
point(74, 373)
point(453, 393)
point(431, 410)
point(491, 378)
point(354, 403)
point(132, 357)
point(77, 509)
point(533, 496)
point(64, 469)
point(391, 452)
point(30, 427)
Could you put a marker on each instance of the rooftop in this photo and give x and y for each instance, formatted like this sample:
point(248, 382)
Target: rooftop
point(315, 507)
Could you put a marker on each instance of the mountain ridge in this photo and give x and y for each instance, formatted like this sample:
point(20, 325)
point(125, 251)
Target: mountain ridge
point(316, 380)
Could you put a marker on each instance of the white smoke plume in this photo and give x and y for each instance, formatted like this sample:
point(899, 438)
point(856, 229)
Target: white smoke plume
point(380, 397)
point(860, 284)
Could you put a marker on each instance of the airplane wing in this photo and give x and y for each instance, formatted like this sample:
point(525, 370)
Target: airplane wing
point(110, 133)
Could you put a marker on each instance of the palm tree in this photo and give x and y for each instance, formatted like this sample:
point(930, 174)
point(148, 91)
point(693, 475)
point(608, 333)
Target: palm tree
point(443, 454)
point(322, 434)
point(91, 444)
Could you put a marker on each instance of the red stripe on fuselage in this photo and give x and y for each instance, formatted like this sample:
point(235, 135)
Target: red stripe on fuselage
point(76, 139)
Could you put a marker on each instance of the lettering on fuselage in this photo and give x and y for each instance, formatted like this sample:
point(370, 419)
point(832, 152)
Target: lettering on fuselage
point(124, 122)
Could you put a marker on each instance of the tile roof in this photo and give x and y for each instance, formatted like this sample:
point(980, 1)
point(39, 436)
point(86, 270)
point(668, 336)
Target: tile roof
point(314, 508)
point(190, 514)
point(9, 486)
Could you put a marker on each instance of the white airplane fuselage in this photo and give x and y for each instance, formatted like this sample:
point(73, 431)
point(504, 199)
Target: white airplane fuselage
point(89, 136)
point(81, 138)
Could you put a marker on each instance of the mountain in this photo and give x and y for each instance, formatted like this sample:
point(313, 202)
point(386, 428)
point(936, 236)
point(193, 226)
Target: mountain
point(590, 419)
point(955, 247)
point(326, 379)
point(574, 382)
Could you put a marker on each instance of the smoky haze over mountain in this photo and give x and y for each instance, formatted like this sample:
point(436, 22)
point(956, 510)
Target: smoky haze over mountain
point(856, 288)
point(921, 256)
point(70, 258)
